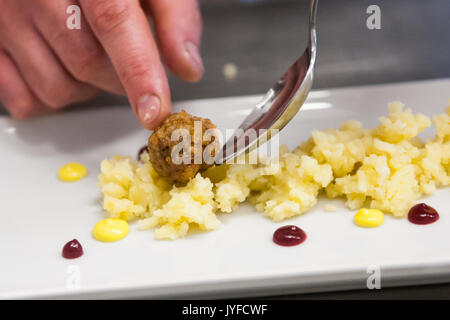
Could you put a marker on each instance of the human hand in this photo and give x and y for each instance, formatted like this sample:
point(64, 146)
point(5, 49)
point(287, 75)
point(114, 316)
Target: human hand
point(44, 66)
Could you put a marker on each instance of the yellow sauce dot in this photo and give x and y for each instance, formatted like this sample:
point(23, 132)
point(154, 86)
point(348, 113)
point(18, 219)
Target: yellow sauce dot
point(369, 218)
point(110, 230)
point(72, 172)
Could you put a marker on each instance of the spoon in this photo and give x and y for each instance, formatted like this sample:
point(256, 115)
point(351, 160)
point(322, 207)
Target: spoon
point(279, 105)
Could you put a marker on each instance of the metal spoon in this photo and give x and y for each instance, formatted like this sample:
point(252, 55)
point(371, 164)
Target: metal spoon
point(280, 103)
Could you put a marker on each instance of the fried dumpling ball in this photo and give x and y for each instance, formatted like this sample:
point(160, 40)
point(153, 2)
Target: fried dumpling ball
point(161, 144)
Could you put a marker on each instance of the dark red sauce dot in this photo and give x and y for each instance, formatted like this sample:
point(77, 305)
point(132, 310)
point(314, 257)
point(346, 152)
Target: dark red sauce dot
point(72, 250)
point(422, 214)
point(141, 151)
point(289, 236)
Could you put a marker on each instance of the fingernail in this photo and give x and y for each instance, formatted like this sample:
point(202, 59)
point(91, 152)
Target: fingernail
point(148, 108)
point(194, 56)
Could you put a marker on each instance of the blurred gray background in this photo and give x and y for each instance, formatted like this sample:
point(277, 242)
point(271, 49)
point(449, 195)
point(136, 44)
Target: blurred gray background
point(263, 37)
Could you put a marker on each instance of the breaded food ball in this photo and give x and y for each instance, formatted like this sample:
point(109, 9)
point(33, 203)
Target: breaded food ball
point(161, 144)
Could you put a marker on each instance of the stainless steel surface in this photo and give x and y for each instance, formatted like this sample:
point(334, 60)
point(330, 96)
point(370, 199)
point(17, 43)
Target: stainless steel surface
point(280, 104)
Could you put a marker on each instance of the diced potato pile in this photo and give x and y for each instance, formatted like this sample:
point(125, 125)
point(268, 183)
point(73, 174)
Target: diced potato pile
point(386, 168)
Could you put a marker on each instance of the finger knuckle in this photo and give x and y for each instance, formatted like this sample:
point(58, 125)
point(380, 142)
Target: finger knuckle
point(80, 58)
point(72, 92)
point(21, 108)
point(44, 6)
point(84, 65)
point(135, 69)
point(56, 99)
point(107, 15)
point(56, 102)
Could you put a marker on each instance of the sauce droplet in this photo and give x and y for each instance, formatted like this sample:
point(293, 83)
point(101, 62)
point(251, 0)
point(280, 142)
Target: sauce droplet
point(422, 214)
point(368, 218)
point(289, 236)
point(110, 230)
point(72, 172)
point(72, 250)
point(141, 151)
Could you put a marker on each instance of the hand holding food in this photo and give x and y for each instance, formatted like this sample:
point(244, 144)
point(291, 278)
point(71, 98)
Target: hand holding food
point(46, 66)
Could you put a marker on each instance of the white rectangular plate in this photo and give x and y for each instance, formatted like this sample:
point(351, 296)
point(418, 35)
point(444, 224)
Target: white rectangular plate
point(39, 214)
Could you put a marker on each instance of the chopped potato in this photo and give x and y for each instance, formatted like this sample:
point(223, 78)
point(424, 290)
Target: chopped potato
point(387, 168)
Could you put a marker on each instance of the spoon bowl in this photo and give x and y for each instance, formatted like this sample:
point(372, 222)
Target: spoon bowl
point(279, 105)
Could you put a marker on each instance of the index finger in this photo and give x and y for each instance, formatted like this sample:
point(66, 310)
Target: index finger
point(123, 30)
